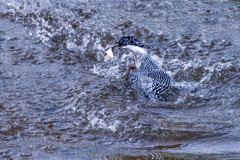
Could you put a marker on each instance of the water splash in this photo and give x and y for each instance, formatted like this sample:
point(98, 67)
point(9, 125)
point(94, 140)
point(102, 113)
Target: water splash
point(57, 93)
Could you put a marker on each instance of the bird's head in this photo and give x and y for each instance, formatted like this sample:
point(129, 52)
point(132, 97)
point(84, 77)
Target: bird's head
point(129, 42)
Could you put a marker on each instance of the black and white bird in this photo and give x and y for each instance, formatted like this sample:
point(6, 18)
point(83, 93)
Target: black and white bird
point(144, 74)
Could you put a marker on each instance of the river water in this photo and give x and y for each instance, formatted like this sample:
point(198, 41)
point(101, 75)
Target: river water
point(59, 100)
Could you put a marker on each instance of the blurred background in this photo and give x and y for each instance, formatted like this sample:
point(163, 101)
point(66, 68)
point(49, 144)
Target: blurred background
point(59, 100)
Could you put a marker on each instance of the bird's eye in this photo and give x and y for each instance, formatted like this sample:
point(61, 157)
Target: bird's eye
point(121, 41)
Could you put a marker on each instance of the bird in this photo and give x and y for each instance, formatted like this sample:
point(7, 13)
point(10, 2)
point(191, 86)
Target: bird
point(144, 74)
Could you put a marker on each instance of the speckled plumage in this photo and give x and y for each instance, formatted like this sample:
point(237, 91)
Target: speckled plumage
point(149, 80)
point(146, 77)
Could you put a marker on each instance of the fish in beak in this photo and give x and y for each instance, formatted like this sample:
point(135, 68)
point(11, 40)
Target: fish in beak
point(110, 51)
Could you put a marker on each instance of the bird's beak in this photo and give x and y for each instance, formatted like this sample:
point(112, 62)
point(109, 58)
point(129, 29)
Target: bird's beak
point(110, 51)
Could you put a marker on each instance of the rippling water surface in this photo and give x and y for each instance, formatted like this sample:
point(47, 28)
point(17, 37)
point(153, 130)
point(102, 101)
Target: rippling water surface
point(59, 100)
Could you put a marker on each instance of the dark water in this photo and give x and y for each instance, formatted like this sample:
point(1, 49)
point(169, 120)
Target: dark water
point(59, 100)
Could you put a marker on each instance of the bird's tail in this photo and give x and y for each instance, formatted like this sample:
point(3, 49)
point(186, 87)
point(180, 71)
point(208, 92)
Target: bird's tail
point(171, 94)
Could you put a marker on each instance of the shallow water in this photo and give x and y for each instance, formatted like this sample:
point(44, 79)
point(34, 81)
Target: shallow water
point(59, 100)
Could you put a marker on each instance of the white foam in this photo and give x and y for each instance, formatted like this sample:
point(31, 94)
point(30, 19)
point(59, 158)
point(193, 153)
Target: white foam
point(71, 45)
point(112, 71)
point(97, 122)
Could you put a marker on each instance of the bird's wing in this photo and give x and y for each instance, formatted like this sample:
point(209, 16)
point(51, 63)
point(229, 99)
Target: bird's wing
point(161, 81)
